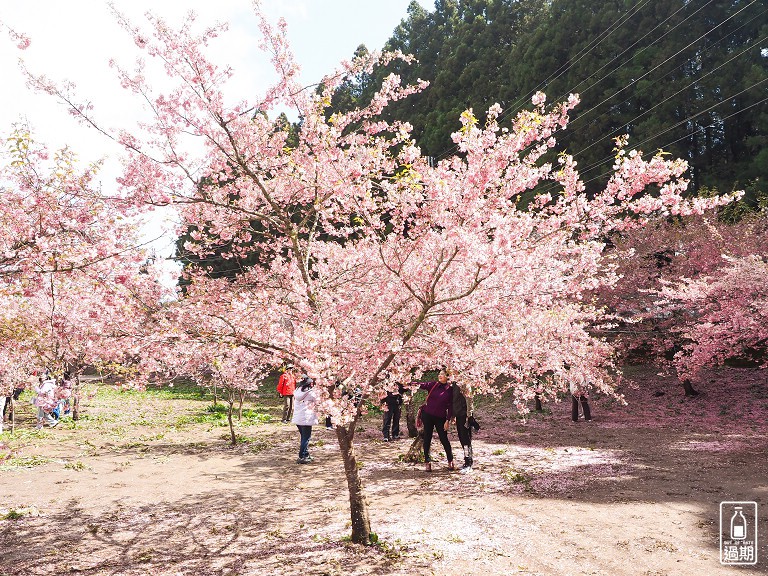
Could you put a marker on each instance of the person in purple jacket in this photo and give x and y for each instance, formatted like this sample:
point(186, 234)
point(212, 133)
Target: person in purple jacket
point(437, 413)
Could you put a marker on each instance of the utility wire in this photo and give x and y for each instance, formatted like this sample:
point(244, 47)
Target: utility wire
point(691, 15)
point(582, 53)
point(699, 129)
point(662, 63)
point(695, 81)
point(685, 121)
point(591, 47)
point(563, 69)
point(712, 46)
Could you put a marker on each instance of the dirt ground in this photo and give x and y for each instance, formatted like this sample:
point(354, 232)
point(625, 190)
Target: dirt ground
point(147, 484)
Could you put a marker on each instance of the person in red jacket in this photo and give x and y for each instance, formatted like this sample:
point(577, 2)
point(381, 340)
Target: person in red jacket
point(286, 385)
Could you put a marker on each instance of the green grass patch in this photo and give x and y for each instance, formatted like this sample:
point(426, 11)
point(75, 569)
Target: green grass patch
point(515, 477)
point(216, 415)
point(258, 445)
point(24, 462)
point(13, 515)
point(239, 438)
point(26, 434)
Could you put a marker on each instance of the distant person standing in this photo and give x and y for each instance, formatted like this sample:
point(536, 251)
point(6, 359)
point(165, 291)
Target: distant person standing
point(286, 386)
point(46, 402)
point(579, 396)
point(64, 394)
point(392, 405)
point(305, 416)
point(4, 400)
point(7, 403)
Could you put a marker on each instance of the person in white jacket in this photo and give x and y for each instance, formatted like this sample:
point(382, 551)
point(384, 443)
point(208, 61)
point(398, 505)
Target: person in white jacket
point(46, 402)
point(304, 416)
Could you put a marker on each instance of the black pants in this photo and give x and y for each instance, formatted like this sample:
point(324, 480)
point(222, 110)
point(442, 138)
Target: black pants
point(430, 424)
point(584, 407)
point(16, 393)
point(391, 428)
point(465, 437)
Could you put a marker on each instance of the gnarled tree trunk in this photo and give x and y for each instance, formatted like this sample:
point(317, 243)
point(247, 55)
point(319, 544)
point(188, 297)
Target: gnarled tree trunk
point(358, 505)
point(410, 419)
point(416, 451)
point(76, 397)
point(689, 389)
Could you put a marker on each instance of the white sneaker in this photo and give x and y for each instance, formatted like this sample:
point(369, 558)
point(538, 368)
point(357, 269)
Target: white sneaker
point(466, 470)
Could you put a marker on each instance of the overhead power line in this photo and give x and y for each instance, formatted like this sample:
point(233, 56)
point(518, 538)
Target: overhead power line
point(607, 99)
point(563, 69)
point(692, 83)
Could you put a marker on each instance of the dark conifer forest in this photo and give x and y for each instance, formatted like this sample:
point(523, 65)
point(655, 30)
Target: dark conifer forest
point(685, 76)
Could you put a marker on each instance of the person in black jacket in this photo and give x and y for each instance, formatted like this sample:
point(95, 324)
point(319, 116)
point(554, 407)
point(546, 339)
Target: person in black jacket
point(463, 412)
point(392, 406)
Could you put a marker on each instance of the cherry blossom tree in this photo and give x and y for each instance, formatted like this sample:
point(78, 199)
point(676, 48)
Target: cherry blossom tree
point(731, 314)
point(236, 372)
point(74, 281)
point(375, 261)
point(185, 342)
point(690, 290)
point(14, 374)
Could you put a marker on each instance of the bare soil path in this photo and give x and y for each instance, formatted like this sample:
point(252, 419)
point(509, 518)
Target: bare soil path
point(147, 484)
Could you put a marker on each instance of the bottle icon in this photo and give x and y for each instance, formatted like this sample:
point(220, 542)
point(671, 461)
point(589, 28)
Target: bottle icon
point(738, 525)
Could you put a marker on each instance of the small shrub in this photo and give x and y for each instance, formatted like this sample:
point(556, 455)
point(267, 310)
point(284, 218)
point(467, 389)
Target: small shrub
point(517, 477)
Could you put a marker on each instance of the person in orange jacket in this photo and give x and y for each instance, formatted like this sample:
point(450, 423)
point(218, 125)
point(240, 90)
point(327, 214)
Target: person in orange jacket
point(286, 385)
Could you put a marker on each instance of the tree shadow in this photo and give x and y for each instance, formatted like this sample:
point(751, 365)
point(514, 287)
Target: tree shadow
point(210, 533)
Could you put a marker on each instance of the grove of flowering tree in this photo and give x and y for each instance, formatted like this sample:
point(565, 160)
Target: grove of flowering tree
point(374, 262)
point(74, 286)
point(692, 291)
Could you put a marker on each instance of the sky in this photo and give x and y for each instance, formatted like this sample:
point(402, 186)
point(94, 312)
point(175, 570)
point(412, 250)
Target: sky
point(75, 39)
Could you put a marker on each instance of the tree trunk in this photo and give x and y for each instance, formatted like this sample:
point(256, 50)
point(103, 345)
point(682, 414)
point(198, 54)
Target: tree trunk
point(12, 413)
point(76, 398)
point(358, 506)
point(410, 419)
point(537, 401)
point(230, 409)
point(688, 387)
point(241, 398)
point(415, 453)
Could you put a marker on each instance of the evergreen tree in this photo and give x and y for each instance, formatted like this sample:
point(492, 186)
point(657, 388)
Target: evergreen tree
point(688, 76)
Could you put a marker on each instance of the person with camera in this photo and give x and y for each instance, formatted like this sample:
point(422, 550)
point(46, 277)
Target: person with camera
point(436, 415)
point(304, 415)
